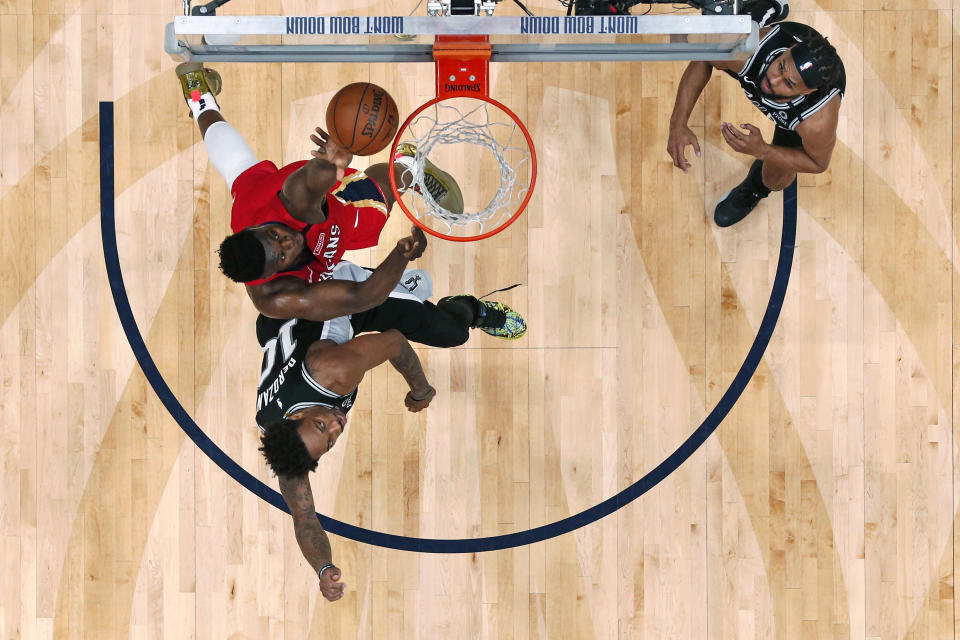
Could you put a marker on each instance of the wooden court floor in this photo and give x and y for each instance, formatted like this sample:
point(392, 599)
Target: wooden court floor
point(824, 506)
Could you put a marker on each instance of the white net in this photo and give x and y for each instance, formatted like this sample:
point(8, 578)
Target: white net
point(469, 164)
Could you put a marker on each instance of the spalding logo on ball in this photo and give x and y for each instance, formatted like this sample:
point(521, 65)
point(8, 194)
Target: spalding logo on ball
point(362, 118)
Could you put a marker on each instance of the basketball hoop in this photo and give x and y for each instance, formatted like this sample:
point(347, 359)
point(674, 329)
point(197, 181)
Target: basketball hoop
point(480, 141)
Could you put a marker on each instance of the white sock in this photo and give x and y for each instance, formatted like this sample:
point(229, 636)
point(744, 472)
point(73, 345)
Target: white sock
point(201, 103)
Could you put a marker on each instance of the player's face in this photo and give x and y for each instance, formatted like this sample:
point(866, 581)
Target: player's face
point(320, 427)
point(782, 81)
point(283, 245)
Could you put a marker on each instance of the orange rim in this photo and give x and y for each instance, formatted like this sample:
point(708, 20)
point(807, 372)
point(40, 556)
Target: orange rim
point(504, 225)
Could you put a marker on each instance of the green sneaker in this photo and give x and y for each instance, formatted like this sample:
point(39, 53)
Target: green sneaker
point(195, 81)
point(491, 317)
point(441, 185)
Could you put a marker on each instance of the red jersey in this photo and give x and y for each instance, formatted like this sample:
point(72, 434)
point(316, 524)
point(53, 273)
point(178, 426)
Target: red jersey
point(356, 213)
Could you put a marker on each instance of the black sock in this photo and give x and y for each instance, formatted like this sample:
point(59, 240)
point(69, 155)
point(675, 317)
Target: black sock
point(755, 179)
point(465, 310)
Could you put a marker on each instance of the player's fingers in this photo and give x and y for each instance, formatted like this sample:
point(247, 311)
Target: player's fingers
point(734, 144)
point(730, 134)
point(696, 146)
point(677, 155)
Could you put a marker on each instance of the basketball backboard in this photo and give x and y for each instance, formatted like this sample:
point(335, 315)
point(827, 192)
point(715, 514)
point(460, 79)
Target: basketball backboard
point(362, 39)
point(464, 121)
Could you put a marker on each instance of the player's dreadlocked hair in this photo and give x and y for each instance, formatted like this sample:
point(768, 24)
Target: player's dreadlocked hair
point(284, 449)
point(825, 56)
point(242, 257)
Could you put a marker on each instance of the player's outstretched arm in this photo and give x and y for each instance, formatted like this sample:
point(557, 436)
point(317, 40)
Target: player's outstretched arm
point(311, 537)
point(694, 79)
point(290, 297)
point(409, 366)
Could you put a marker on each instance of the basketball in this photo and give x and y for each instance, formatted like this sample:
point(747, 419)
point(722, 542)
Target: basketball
point(362, 118)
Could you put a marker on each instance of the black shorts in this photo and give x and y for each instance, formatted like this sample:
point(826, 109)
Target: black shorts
point(418, 321)
point(786, 138)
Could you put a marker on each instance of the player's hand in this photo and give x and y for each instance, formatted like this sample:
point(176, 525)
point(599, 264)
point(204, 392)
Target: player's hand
point(680, 138)
point(330, 151)
point(749, 141)
point(330, 586)
point(420, 400)
point(413, 246)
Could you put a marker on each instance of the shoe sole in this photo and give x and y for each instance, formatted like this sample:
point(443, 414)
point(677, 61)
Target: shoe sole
point(717, 206)
point(516, 336)
point(212, 78)
point(452, 201)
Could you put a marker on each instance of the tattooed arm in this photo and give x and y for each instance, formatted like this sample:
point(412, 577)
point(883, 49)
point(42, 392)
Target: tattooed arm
point(408, 365)
point(311, 537)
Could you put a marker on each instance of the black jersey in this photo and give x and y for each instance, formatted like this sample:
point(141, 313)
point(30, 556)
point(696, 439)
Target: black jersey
point(787, 115)
point(285, 384)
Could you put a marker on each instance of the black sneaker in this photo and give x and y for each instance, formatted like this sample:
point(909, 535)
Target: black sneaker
point(764, 12)
point(493, 318)
point(737, 203)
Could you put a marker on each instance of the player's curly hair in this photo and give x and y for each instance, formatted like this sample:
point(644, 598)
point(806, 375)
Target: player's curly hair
point(825, 56)
point(242, 256)
point(284, 450)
